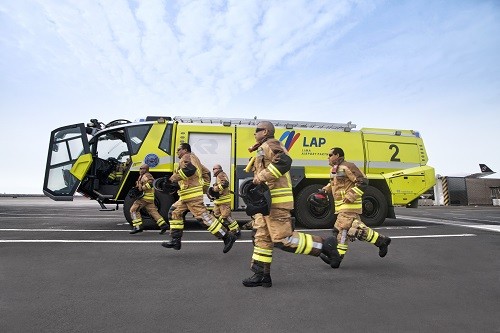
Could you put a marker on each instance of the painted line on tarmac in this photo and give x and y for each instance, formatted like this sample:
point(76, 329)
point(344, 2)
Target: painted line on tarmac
point(146, 231)
point(185, 231)
point(67, 230)
point(494, 228)
point(466, 220)
point(400, 228)
point(52, 217)
point(106, 241)
point(183, 241)
point(435, 236)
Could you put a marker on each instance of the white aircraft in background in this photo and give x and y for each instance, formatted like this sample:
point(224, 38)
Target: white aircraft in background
point(485, 171)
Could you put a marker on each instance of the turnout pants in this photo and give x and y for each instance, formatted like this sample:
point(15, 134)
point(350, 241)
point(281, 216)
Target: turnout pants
point(135, 212)
point(223, 213)
point(349, 227)
point(275, 230)
point(197, 208)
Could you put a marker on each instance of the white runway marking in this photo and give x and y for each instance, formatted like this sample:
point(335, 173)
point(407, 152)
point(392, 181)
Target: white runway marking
point(495, 228)
point(99, 230)
point(183, 241)
point(108, 241)
point(435, 236)
point(400, 228)
point(488, 227)
point(185, 231)
point(63, 218)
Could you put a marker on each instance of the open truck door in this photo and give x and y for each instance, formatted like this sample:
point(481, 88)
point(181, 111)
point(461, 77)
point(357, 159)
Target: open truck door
point(66, 145)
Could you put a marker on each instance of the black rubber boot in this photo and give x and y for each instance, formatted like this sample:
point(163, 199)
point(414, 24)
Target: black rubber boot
point(164, 228)
point(175, 244)
point(237, 234)
point(258, 280)
point(383, 245)
point(325, 258)
point(331, 253)
point(136, 230)
point(229, 238)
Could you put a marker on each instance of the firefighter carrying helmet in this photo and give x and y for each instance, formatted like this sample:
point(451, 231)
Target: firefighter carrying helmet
point(256, 197)
point(211, 194)
point(319, 202)
point(164, 185)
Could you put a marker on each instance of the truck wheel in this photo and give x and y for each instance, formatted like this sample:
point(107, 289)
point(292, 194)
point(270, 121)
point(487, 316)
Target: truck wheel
point(163, 201)
point(306, 216)
point(375, 207)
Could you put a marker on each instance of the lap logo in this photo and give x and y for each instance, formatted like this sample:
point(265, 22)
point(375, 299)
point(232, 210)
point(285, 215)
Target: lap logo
point(151, 160)
point(290, 137)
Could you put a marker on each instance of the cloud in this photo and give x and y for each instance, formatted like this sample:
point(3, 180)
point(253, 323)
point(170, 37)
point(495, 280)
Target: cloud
point(187, 54)
point(429, 66)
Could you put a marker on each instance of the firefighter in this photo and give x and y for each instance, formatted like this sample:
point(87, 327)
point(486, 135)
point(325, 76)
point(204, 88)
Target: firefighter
point(192, 178)
point(347, 184)
point(273, 225)
point(116, 175)
point(221, 196)
point(144, 184)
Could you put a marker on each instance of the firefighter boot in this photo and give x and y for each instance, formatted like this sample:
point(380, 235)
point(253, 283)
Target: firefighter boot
point(232, 227)
point(383, 245)
point(258, 280)
point(237, 233)
point(136, 230)
point(330, 253)
point(325, 258)
point(229, 238)
point(164, 228)
point(175, 244)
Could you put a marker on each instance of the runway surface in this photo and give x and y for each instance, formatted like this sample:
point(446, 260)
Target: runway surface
point(68, 267)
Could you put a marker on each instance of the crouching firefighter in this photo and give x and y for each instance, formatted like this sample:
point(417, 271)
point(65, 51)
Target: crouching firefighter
point(145, 198)
point(347, 184)
point(269, 200)
point(192, 176)
point(220, 194)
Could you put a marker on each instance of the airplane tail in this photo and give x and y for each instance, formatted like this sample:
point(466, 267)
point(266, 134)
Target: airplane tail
point(485, 168)
point(485, 171)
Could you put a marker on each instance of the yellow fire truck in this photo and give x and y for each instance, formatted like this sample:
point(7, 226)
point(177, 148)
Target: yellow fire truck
point(84, 159)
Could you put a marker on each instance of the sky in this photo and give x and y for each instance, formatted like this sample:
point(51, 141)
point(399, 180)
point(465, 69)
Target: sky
point(432, 66)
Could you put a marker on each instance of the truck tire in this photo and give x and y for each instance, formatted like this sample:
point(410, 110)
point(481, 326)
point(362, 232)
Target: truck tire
point(375, 207)
point(309, 218)
point(163, 201)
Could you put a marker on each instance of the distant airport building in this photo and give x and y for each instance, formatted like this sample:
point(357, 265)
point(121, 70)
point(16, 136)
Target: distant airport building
point(466, 191)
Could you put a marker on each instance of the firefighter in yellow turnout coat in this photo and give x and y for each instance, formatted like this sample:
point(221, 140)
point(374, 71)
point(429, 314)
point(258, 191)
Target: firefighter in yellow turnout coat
point(145, 184)
point(192, 177)
point(271, 167)
point(221, 196)
point(347, 183)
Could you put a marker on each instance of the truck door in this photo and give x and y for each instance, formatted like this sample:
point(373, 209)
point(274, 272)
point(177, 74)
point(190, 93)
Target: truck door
point(213, 145)
point(66, 145)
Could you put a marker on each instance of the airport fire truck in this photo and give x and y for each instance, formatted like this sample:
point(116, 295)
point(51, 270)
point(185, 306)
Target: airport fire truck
point(83, 157)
